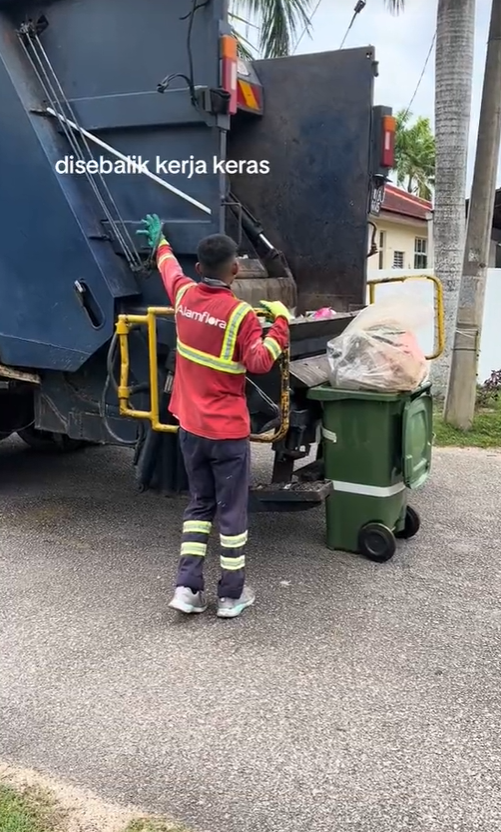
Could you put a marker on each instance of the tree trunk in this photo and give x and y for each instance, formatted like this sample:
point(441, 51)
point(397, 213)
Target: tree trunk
point(461, 392)
point(453, 82)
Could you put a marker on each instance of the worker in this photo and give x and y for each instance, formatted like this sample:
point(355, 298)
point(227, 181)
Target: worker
point(219, 338)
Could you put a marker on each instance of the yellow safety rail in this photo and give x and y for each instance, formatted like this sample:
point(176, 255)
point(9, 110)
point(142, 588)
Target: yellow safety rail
point(281, 431)
point(122, 329)
point(439, 304)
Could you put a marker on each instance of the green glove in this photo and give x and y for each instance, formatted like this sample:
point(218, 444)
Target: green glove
point(277, 309)
point(153, 230)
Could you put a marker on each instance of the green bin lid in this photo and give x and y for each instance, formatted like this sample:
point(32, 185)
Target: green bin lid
point(326, 393)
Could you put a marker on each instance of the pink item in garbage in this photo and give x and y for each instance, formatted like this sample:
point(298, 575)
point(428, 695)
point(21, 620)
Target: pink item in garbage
point(324, 313)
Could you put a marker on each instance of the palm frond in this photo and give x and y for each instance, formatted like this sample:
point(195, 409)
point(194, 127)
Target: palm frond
point(245, 48)
point(415, 154)
point(395, 6)
point(281, 22)
point(239, 19)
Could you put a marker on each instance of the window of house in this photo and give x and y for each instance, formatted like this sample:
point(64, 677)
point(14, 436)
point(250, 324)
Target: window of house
point(420, 253)
point(382, 239)
point(398, 259)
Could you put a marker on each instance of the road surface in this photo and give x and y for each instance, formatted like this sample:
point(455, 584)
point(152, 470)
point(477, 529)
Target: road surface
point(354, 697)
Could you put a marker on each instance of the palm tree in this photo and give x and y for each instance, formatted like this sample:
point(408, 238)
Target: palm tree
point(415, 155)
point(453, 82)
point(281, 23)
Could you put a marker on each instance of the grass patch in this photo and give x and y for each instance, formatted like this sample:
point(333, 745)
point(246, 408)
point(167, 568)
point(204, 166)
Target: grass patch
point(30, 810)
point(485, 432)
point(149, 825)
point(33, 809)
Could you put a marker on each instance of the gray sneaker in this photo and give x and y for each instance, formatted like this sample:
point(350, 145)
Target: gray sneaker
point(231, 607)
point(187, 601)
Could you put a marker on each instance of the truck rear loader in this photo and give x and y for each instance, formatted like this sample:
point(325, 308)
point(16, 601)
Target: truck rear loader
point(112, 109)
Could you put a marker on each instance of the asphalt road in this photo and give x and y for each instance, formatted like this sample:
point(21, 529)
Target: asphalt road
point(353, 698)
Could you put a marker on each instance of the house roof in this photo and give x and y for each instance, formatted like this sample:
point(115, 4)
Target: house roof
point(398, 201)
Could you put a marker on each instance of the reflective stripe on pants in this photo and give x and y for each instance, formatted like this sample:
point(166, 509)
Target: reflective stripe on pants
point(218, 474)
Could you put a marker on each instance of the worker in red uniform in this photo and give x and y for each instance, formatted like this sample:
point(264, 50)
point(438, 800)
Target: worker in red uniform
point(219, 339)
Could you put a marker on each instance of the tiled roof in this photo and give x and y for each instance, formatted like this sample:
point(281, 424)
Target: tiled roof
point(397, 201)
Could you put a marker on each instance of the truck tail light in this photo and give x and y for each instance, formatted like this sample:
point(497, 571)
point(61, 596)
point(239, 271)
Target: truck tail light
point(229, 69)
point(388, 142)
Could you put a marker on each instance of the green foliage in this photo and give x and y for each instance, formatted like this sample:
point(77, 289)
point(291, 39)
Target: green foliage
point(486, 429)
point(30, 810)
point(415, 154)
point(485, 432)
point(488, 393)
point(281, 23)
point(35, 810)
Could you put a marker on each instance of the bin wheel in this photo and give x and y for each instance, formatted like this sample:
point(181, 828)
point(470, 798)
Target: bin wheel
point(412, 524)
point(376, 542)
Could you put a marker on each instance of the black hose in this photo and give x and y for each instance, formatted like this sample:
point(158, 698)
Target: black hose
point(110, 379)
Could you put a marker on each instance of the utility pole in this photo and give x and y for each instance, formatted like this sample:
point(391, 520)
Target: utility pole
point(461, 392)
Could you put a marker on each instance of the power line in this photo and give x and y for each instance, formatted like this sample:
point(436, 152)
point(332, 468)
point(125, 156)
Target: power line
point(361, 4)
point(315, 10)
point(422, 75)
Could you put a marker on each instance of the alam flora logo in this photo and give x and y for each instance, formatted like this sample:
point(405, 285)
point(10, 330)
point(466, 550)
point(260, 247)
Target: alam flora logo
point(170, 167)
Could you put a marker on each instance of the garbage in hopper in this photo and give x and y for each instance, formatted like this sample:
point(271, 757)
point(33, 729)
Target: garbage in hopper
point(324, 314)
point(379, 350)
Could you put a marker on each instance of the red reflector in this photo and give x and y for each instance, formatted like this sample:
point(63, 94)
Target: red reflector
point(388, 142)
point(229, 69)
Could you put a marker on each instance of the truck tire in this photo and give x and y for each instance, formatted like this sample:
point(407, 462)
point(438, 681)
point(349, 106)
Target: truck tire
point(49, 443)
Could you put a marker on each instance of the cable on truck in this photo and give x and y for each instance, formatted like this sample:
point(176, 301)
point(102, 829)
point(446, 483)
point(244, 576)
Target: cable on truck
point(190, 78)
point(29, 37)
point(111, 380)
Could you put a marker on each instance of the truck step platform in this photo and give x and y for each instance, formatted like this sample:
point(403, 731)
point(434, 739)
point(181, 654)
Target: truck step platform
point(295, 496)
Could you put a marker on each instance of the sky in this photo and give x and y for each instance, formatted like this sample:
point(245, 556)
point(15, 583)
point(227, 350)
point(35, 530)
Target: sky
point(401, 43)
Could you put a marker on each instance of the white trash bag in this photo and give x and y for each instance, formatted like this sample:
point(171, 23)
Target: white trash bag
point(379, 350)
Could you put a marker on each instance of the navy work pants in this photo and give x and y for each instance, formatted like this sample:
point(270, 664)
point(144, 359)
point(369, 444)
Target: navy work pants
point(218, 474)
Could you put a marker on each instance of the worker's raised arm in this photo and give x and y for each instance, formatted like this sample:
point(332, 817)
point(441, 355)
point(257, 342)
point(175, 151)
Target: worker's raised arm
point(170, 271)
point(256, 353)
point(167, 264)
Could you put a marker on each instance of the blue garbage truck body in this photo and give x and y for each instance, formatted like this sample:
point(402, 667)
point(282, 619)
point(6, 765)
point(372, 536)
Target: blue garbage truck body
point(113, 109)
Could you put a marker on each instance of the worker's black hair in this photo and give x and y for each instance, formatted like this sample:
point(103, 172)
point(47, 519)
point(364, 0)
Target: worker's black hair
point(215, 254)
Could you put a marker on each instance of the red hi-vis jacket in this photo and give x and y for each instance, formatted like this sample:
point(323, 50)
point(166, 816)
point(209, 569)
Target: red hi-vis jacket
point(219, 338)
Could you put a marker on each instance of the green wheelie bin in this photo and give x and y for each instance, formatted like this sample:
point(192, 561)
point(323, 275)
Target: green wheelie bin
point(375, 447)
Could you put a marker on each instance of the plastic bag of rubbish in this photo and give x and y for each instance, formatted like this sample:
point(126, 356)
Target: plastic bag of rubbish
point(379, 349)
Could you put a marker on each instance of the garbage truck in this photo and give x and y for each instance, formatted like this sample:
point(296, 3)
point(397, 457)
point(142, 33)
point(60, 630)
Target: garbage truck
point(112, 109)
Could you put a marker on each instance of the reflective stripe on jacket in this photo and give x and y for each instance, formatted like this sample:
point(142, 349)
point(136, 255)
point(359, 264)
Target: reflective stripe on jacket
point(219, 339)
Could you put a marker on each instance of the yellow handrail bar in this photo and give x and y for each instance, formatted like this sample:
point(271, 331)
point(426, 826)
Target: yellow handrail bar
point(122, 329)
point(438, 305)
